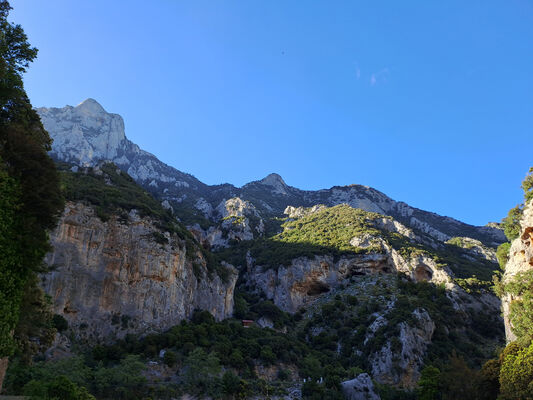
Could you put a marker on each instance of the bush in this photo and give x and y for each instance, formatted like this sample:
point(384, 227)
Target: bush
point(502, 254)
point(511, 223)
point(516, 374)
point(59, 322)
point(170, 358)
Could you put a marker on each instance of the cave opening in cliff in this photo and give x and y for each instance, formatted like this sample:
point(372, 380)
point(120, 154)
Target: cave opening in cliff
point(316, 288)
point(423, 273)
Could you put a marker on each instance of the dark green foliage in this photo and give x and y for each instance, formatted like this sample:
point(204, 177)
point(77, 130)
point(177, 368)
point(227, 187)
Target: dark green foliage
point(521, 308)
point(387, 392)
point(489, 380)
point(60, 323)
point(31, 200)
point(11, 280)
point(458, 381)
point(170, 358)
point(112, 192)
point(35, 330)
point(201, 372)
point(345, 326)
point(231, 383)
point(59, 387)
point(328, 231)
point(121, 380)
point(527, 186)
point(511, 223)
point(15, 56)
point(503, 254)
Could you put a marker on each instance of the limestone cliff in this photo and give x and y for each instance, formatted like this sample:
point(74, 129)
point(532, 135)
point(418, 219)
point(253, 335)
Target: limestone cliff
point(520, 260)
point(398, 332)
point(114, 277)
point(304, 280)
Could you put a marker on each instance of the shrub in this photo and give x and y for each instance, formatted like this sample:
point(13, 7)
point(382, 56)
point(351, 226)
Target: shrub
point(516, 374)
point(502, 254)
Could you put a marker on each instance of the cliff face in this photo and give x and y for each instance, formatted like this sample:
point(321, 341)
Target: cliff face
point(111, 278)
point(306, 279)
point(395, 329)
point(520, 260)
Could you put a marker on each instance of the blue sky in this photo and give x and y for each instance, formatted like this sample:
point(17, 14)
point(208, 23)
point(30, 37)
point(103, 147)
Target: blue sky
point(430, 102)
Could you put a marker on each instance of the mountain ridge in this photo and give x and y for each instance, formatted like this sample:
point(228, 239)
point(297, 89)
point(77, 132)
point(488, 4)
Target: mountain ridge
point(87, 134)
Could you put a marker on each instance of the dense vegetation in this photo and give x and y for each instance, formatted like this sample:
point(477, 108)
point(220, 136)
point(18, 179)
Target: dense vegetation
point(224, 359)
point(30, 199)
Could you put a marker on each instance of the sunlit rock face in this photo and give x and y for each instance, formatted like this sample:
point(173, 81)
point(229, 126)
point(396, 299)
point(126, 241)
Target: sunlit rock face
point(84, 133)
point(111, 278)
point(87, 134)
point(520, 260)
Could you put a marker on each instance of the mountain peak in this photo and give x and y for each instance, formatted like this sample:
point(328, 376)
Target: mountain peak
point(273, 180)
point(91, 106)
point(276, 182)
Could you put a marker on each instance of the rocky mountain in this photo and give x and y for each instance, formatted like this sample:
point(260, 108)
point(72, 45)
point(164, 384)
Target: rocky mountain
point(344, 284)
point(120, 264)
point(87, 134)
point(127, 275)
point(518, 276)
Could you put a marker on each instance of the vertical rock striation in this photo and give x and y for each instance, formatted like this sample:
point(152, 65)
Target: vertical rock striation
point(111, 278)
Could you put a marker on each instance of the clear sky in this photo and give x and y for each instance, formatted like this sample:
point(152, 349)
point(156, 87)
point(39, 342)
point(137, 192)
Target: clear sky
point(430, 102)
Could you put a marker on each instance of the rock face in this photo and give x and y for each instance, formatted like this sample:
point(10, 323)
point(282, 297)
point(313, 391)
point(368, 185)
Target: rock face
point(111, 278)
point(237, 220)
point(304, 280)
point(87, 134)
point(402, 368)
point(359, 388)
point(520, 260)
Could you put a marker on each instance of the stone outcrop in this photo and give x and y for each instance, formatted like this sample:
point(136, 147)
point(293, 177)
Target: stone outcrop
point(520, 260)
point(299, 212)
point(300, 283)
point(401, 368)
point(111, 278)
point(237, 220)
point(359, 388)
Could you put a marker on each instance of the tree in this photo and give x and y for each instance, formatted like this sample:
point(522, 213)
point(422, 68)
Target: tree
point(516, 373)
point(458, 380)
point(511, 223)
point(201, 371)
point(428, 384)
point(30, 195)
point(231, 384)
point(122, 381)
point(489, 383)
point(527, 185)
point(170, 358)
point(59, 387)
point(502, 254)
point(310, 368)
